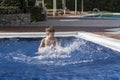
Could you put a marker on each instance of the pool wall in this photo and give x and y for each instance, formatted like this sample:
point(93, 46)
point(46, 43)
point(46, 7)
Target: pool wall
point(98, 39)
point(101, 40)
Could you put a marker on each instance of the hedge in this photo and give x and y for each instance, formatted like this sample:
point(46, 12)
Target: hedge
point(36, 13)
point(31, 2)
point(9, 10)
point(22, 6)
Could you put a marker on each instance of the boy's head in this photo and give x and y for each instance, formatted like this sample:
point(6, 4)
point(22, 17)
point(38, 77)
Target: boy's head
point(50, 31)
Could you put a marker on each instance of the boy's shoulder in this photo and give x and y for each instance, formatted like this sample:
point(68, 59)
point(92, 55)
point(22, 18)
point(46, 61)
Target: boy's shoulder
point(43, 39)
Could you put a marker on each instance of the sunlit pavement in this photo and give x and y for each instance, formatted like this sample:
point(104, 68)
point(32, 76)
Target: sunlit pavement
point(110, 28)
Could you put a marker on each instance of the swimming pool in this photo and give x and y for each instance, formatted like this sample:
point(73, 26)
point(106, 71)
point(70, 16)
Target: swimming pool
point(80, 60)
point(114, 16)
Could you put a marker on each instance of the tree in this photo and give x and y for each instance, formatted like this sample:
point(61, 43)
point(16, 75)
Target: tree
point(23, 6)
point(31, 2)
point(9, 3)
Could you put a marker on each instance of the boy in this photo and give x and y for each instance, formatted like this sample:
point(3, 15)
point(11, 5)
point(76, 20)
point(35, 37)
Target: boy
point(50, 41)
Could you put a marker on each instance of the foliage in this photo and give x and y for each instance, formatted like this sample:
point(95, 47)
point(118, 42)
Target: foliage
point(31, 2)
point(103, 5)
point(9, 10)
point(36, 14)
point(9, 3)
point(21, 6)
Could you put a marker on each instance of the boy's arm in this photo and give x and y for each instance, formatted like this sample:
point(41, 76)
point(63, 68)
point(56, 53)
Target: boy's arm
point(58, 44)
point(60, 48)
point(40, 46)
point(42, 43)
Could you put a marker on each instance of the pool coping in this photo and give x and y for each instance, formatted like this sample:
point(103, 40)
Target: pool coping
point(105, 41)
point(98, 39)
point(83, 16)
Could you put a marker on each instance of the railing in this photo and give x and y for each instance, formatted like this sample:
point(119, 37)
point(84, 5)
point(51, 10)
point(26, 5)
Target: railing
point(97, 10)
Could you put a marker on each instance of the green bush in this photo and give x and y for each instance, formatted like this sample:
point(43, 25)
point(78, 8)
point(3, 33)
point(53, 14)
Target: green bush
point(31, 2)
point(10, 3)
point(9, 10)
point(36, 14)
point(21, 4)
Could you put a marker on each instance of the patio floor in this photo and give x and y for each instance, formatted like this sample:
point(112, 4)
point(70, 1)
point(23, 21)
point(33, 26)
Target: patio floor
point(106, 27)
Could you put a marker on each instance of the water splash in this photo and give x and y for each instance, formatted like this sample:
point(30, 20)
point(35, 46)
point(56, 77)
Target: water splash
point(65, 51)
point(75, 52)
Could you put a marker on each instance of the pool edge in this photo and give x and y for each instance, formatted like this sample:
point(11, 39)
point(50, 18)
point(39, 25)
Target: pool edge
point(101, 40)
point(98, 39)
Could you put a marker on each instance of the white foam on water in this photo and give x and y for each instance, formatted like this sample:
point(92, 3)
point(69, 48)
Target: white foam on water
point(65, 57)
point(50, 56)
point(64, 53)
point(63, 63)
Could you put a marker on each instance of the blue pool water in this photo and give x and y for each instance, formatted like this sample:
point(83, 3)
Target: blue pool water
point(105, 16)
point(80, 60)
